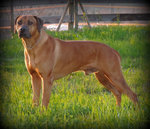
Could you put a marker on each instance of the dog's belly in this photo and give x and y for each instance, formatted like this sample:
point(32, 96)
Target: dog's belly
point(88, 69)
point(87, 72)
point(59, 73)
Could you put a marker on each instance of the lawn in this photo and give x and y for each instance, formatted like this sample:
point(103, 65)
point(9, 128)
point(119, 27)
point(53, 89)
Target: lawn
point(78, 101)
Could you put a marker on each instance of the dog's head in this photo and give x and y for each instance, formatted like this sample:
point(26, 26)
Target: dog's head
point(27, 26)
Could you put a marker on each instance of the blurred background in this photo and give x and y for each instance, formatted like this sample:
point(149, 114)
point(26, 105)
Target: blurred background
point(98, 12)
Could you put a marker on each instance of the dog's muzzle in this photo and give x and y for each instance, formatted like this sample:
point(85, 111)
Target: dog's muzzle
point(24, 32)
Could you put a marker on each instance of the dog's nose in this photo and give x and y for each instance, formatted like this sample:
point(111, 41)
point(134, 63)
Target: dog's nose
point(22, 29)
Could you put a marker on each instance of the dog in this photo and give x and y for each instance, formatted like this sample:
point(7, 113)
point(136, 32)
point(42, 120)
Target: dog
point(48, 59)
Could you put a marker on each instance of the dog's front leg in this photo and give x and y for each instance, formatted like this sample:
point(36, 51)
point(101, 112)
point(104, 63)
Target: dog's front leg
point(36, 87)
point(47, 86)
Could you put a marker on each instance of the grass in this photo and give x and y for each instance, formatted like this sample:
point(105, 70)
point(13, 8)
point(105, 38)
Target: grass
point(78, 101)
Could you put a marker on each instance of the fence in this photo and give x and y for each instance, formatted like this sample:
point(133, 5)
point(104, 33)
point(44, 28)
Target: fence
point(97, 12)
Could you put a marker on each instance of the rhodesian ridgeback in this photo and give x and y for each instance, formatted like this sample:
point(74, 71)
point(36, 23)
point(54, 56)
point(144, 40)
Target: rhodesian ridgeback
point(48, 59)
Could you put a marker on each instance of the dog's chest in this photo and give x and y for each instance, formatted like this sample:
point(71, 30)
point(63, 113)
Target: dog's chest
point(33, 61)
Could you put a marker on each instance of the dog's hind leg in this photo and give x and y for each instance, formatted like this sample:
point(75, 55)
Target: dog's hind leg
point(112, 69)
point(107, 84)
point(116, 76)
point(121, 84)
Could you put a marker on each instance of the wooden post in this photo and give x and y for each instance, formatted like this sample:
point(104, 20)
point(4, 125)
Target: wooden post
point(84, 14)
point(76, 14)
point(62, 18)
point(12, 17)
point(71, 12)
point(72, 5)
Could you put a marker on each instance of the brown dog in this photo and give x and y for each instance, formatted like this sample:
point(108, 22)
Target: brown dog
point(48, 59)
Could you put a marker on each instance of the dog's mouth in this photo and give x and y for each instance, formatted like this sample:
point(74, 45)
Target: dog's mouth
point(24, 35)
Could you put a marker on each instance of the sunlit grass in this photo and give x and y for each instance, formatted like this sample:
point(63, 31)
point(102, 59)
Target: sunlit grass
point(78, 101)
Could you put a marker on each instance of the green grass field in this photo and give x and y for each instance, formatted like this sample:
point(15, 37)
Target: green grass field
point(78, 101)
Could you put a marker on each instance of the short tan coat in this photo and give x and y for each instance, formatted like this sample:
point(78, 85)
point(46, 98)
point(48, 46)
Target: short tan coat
point(48, 59)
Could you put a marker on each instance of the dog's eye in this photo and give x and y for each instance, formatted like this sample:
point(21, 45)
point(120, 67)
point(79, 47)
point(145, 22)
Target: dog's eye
point(19, 22)
point(30, 22)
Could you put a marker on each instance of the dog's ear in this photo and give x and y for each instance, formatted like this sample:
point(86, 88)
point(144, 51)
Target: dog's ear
point(15, 24)
point(16, 19)
point(39, 23)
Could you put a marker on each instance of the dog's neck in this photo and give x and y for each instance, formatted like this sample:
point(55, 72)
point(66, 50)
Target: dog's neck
point(37, 39)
